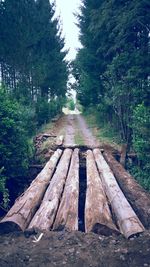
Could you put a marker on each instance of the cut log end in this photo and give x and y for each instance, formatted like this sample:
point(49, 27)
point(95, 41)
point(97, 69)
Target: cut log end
point(9, 227)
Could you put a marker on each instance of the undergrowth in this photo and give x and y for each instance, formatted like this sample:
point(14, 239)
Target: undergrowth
point(103, 131)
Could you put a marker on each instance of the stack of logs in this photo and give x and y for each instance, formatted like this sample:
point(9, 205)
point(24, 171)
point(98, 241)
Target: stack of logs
point(51, 201)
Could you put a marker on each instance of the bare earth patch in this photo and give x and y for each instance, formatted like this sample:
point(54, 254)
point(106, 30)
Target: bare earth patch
point(74, 249)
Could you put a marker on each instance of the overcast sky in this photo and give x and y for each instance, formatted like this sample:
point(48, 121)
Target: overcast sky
point(66, 8)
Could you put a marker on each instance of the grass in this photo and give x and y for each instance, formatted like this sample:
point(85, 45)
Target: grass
point(79, 139)
point(45, 127)
point(103, 132)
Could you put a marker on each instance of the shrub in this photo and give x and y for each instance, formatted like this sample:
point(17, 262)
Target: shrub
point(14, 145)
point(141, 143)
point(71, 104)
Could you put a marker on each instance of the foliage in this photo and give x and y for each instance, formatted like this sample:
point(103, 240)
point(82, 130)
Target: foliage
point(102, 128)
point(112, 67)
point(4, 195)
point(15, 151)
point(141, 143)
point(45, 111)
point(32, 50)
point(34, 73)
point(71, 104)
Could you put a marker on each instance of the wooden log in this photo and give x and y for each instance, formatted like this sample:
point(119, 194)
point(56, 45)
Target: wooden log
point(26, 205)
point(127, 220)
point(97, 213)
point(44, 217)
point(60, 140)
point(136, 195)
point(67, 215)
point(47, 135)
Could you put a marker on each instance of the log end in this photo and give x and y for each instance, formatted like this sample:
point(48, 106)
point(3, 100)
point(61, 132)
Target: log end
point(9, 227)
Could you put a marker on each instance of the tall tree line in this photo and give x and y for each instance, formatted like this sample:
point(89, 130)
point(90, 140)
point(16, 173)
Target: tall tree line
point(31, 50)
point(112, 68)
point(33, 78)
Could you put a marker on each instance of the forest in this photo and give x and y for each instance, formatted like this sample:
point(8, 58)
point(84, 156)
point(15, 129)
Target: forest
point(33, 78)
point(111, 73)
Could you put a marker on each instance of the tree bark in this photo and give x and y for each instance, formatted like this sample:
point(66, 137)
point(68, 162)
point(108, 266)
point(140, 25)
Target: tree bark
point(97, 213)
point(127, 220)
point(136, 195)
point(123, 155)
point(67, 215)
point(44, 217)
point(26, 205)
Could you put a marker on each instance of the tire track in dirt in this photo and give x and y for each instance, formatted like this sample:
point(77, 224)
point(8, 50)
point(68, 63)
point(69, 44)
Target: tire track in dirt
point(88, 137)
point(76, 125)
point(70, 131)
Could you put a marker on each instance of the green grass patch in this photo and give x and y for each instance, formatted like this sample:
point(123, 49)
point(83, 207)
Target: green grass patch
point(103, 132)
point(78, 139)
point(45, 127)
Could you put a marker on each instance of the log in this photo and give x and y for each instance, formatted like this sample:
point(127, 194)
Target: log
point(44, 217)
point(47, 135)
point(60, 140)
point(20, 215)
point(136, 195)
point(97, 213)
point(67, 215)
point(127, 220)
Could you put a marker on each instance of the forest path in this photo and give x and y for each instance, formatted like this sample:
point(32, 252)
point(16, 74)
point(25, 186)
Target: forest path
point(78, 131)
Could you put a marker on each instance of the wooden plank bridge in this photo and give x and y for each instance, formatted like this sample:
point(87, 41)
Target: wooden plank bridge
point(114, 203)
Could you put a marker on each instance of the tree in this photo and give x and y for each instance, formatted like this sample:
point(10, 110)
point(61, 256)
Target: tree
point(112, 67)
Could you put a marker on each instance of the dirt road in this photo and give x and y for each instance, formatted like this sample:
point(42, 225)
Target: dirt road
point(78, 131)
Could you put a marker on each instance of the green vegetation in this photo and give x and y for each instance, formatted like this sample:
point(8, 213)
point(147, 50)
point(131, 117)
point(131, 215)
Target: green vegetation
point(33, 76)
point(112, 70)
point(15, 150)
point(71, 104)
point(102, 130)
point(78, 139)
point(141, 143)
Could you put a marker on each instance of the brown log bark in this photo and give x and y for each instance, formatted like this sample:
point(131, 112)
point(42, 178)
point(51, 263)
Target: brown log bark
point(97, 213)
point(26, 205)
point(123, 155)
point(67, 215)
point(127, 220)
point(136, 195)
point(44, 217)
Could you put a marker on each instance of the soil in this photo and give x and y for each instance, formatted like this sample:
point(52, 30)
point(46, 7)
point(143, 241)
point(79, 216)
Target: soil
point(74, 249)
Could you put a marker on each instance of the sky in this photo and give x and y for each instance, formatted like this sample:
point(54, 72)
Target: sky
point(66, 8)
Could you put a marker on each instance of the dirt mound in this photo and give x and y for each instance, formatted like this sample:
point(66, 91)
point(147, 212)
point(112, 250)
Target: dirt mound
point(74, 250)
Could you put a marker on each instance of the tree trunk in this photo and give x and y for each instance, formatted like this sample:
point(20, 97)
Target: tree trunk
point(137, 196)
point(44, 217)
point(127, 220)
point(97, 213)
point(26, 205)
point(67, 215)
point(123, 155)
